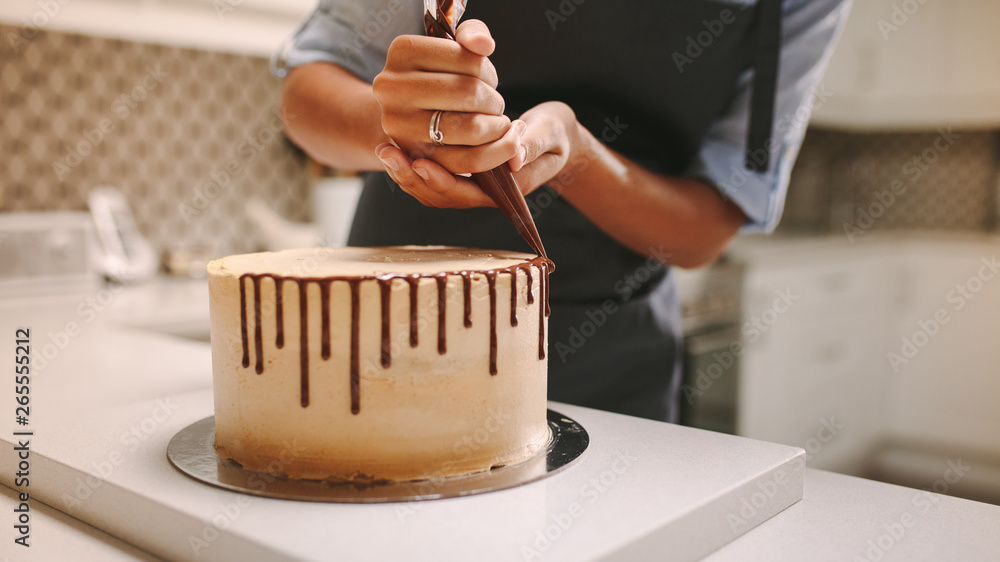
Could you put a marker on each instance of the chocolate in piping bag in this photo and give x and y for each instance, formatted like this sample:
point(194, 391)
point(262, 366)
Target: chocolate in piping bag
point(440, 20)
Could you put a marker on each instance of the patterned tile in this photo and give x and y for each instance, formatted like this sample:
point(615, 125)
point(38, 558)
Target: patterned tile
point(951, 182)
point(173, 119)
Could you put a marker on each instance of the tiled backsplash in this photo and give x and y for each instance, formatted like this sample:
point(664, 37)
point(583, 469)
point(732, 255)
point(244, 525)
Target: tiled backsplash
point(189, 135)
point(186, 135)
point(942, 180)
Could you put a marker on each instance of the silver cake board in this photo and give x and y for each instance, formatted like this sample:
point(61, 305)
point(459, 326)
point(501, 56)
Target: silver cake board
point(191, 451)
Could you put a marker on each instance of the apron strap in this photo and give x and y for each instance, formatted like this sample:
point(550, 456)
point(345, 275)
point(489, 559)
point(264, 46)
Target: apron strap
point(765, 85)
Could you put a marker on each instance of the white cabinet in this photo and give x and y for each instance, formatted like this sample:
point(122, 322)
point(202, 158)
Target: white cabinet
point(944, 341)
point(810, 378)
point(253, 27)
point(915, 64)
point(893, 345)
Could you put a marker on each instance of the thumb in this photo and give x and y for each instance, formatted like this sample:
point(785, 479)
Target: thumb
point(474, 36)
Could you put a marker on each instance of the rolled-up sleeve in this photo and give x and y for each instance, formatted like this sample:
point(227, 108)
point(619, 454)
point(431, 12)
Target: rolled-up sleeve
point(808, 33)
point(354, 34)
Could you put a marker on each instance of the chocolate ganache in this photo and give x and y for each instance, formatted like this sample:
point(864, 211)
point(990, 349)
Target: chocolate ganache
point(385, 285)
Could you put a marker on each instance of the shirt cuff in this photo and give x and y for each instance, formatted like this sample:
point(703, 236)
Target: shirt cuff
point(760, 195)
point(354, 35)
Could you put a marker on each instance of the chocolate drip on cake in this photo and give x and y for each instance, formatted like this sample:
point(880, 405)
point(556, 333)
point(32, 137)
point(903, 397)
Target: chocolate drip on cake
point(279, 314)
point(243, 321)
point(258, 338)
point(513, 296)
point(385, 288)
point(355, 336)
point(324, 299)
point(467, 297)
point(491, 280)
point(303, 342)
point(413, 280)
point(442, 286)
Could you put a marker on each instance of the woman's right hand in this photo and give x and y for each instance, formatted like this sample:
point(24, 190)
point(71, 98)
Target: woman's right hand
point(426, 74)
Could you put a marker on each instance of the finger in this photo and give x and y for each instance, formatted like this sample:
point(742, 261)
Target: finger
point(544, 169)
point(471, 160)
point(414, 52)
point(397, 165)
point(443, 189)
point(457, 129)
point(437, 90)
point(532, 145)
point(439, 189)
point(476, 37)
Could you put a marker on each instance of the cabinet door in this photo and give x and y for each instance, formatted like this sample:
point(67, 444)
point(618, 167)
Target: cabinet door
point(943, 355)
point(252, 27)
point(915, 65)
point(812, 378)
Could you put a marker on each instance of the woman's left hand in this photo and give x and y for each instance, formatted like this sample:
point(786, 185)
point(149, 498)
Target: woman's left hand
point(550, 137)
point(547, 145)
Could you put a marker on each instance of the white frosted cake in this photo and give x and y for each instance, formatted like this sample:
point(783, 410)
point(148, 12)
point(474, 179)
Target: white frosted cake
point(397, 363)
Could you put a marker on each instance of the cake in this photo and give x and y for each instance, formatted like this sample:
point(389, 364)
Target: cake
point(369, 364)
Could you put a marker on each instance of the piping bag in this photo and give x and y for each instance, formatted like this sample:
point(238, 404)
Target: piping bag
point(440, 20)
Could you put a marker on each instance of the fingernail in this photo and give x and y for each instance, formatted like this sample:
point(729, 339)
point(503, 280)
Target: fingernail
point(422, 173)
point(524, 154)
point(521, 127)
point(386, 161)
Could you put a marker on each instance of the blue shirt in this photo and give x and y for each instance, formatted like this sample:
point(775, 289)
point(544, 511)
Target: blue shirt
point(356, 34)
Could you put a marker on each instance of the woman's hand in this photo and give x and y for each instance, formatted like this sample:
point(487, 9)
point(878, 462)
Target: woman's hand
point(426, 74)
point(548, 146)
point(548, 142)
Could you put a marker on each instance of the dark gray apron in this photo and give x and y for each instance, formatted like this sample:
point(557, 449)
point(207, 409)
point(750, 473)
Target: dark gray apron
point(614, 331)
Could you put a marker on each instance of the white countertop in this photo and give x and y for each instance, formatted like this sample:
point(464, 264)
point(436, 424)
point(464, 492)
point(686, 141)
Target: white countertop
point(840, 518)
point(837, 518)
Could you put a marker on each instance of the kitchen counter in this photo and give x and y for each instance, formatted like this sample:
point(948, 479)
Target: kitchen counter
point(82, 348)
point(839, 518)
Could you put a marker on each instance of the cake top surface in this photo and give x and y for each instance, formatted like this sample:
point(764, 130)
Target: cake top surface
point(365, 262)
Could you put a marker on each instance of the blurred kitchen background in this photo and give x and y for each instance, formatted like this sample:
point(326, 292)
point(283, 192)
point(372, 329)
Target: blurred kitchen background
point(866, 330)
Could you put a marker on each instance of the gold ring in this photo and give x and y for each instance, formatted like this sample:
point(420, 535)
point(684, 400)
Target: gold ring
point(435, 133)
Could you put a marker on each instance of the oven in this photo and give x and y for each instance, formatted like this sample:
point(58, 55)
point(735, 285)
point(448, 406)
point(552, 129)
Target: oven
point(711, 318)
